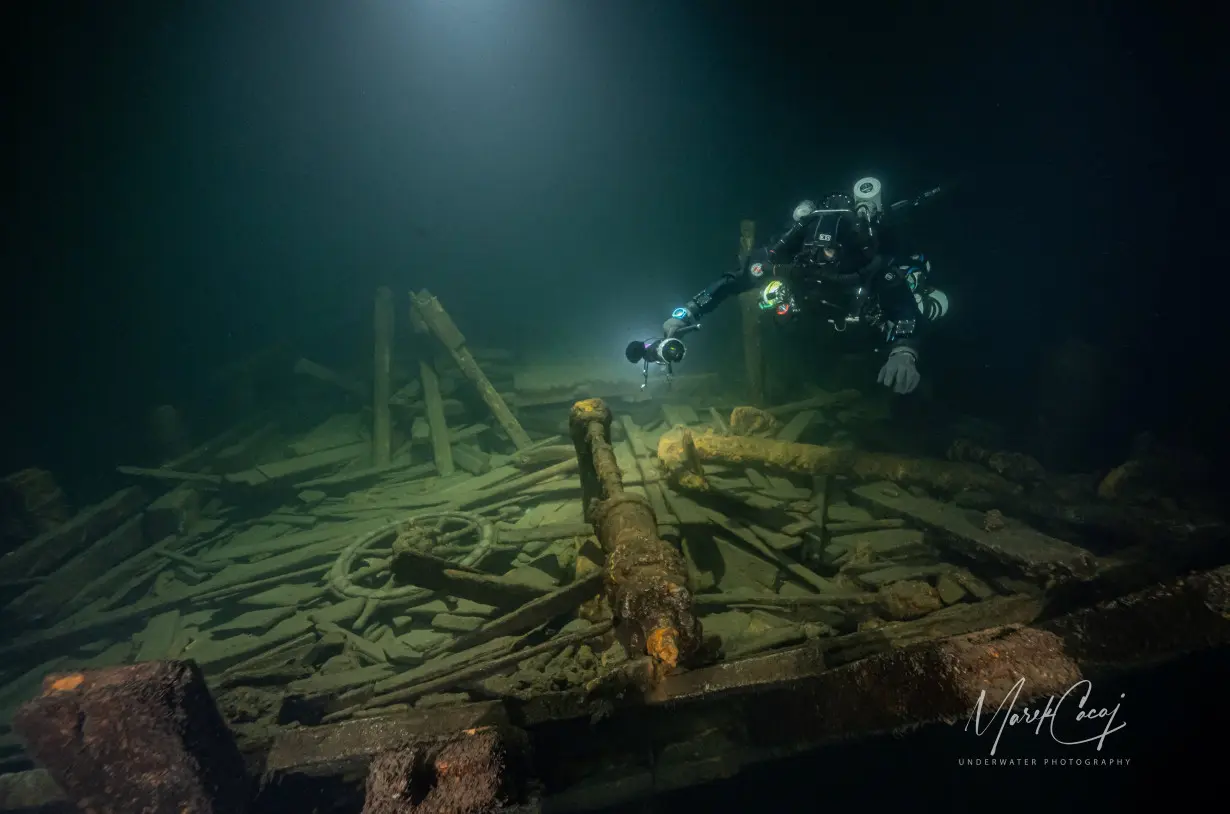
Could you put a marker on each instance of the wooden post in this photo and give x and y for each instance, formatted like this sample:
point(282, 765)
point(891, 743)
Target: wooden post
point(753, 352)
point(382, 441)
point(441, 450)
point(428, 308)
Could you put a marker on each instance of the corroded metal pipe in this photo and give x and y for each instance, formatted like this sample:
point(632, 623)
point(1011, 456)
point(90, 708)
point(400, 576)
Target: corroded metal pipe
point(646, 579)
point(682, 453)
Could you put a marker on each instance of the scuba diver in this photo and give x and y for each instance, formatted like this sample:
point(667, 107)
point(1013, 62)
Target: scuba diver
point(838, 260)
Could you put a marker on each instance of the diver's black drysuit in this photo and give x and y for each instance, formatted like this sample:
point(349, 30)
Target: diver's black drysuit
point(840, 267)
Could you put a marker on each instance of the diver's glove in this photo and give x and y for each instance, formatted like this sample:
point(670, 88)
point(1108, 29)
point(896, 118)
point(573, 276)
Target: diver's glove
point(672, 325)
point(899, 372)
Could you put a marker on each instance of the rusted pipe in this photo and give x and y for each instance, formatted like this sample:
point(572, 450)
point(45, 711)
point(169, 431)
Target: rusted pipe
point(646, 579)
point(682, 453)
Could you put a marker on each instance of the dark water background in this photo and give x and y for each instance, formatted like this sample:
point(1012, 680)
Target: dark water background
point(193, 181)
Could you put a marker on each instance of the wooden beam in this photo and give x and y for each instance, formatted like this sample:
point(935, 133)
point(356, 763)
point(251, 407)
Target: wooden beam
point(753, 351)
point(382, 451)
point(442, 326)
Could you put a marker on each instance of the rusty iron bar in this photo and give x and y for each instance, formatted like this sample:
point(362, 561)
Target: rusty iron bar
point(646, 579)
point(682, 453)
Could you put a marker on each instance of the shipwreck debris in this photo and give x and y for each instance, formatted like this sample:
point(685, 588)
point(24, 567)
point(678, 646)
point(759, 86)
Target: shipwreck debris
point(749, 306)
point(474, 771)
point(382, 425)
point(646, 576)
point(31, 503)
point(444, 329)
point(1014, 466)
point(680, 450)
point(146, 737)
point(307, 367)
point(325, 593)
point(43, 553)
point(1032, 552)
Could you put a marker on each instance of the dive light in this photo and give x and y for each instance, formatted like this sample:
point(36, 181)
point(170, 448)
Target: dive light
point(665, 351)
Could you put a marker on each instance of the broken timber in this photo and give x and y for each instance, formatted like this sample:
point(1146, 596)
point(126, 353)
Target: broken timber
point(49, 549)
point(433, 399)
point(941, 680)
point(646, 576)
point(441, 449)
point(382, 427)
point(46, 601)
point(146, 737)
point(324, 374)
point(1031, 551)
point(530, 615)
point(786, 701)
point(749, 302)
point(442, 326)
point(412, 567)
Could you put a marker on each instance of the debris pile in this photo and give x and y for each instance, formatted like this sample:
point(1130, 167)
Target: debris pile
point(477, 533)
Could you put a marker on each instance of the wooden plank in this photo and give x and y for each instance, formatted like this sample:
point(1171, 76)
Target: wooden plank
point(402, 473)
point(173, 514)
point(531, 614)
point(749, 305)
point(46, 551)
point(308, 463)
point(170, 475)
point(307, 367)
point(441, 450)
point(564, 384)
point(219, 442)
point(648, 471)
point(272, 543)
point(236, 455)
point(679, 415)
point(758, 480)
point(742, 531)
point(433, 315)
point(47, 601)
point(884, 542)
point(351, 745)
point(276, 569)
point(425, 571)
point(471, 459)
point(158, 636)
point(1032, 552)
point(338, 430)
point(382, 425)
point(331, 684)
point(797, 426)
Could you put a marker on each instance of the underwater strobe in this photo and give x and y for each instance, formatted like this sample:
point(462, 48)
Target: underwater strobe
point(666, 352)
